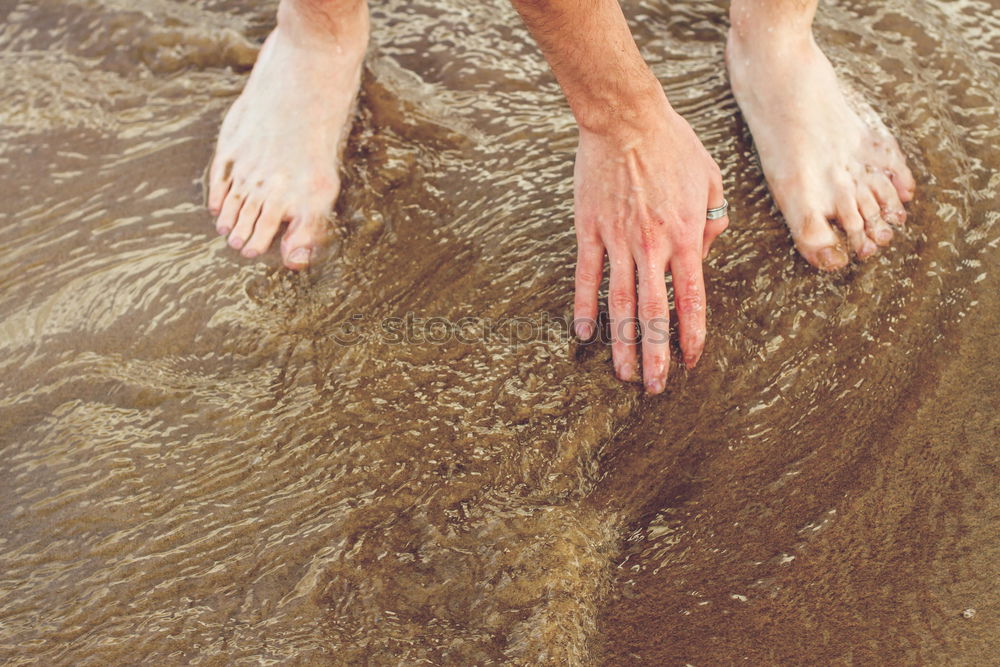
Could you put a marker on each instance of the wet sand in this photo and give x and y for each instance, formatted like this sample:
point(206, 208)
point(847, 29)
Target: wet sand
point(196, 468)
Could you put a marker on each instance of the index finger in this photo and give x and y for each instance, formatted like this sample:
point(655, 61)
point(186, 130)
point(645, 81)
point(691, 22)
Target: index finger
point(689, 299)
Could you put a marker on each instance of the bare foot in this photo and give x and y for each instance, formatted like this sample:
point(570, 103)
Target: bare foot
point(279, 146)
point(824, 158)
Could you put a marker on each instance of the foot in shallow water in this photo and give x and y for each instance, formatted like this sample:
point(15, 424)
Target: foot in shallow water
point(279, 147)
point(824, 158)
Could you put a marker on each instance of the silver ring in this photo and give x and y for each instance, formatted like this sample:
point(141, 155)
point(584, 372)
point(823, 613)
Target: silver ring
point(718, 212)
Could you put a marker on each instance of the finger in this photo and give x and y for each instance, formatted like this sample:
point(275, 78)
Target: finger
point(654, 317)
point(689, 299)
point(621, 308)
point(589, 271)
point(712, 230)
point(716, 198)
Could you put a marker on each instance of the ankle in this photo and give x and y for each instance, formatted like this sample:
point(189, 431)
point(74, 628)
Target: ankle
point(342, 22)
point(755, 42)
point(770, 26)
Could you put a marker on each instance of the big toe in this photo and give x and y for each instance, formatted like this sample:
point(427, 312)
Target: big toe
point(818, 243)
point(304, 236)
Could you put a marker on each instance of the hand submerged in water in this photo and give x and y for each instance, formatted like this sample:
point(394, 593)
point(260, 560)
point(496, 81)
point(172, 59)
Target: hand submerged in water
point(641, 195)
point(643, 185)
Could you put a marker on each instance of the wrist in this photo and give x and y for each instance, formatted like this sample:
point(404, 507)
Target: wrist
point(619, 109)
point(622, 112)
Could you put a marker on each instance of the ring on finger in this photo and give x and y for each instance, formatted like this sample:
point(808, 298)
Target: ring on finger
point(718, 212)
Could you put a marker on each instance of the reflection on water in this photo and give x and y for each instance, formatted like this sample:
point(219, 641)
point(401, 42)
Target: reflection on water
point(194, 467)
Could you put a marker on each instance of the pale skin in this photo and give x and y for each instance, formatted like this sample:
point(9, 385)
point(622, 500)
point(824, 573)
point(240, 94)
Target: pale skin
point(643, 181)
point(279, 146)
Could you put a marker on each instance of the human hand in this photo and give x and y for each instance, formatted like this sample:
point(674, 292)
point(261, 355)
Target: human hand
point(641, 196)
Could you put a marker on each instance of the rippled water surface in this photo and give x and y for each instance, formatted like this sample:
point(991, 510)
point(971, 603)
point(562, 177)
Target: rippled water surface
point(198, 466)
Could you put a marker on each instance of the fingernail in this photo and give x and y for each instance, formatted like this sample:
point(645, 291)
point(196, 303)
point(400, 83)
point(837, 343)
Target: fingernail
point(654, 385)
point(884, 235)
point(830, 258)
point(626, 373)
point(691, 360)
point(584, 330)
point(299, 256)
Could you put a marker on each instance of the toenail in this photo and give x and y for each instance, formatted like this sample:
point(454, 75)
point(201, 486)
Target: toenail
point(654, 385)
point(830, 258)
point(223, 231)
point(884, 235)
point(299, 256)
point(250, 253)
point(236, 242)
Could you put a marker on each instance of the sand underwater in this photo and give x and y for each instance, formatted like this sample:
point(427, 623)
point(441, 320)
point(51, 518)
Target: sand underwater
point(196, 467)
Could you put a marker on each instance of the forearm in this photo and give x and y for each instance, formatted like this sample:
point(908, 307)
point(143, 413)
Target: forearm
point(591, 51)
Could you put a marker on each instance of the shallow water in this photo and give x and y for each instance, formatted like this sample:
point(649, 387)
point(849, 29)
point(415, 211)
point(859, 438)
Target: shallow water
point(202, 461)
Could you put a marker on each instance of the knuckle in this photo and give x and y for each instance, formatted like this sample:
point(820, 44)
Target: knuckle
point(650, 242)
point(587, 276)
point(621, 299)
point(584, 302)
point(649, 310)
point(690, 303)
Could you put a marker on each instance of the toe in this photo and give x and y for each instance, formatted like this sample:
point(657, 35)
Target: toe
point(888, 199)
point(231, 207)
point(854, 227)
point(264, 230)
point(903, 181)
point(219, 180)
point(305, 234)
point(875, 227)
point(244, 224)
point(898, 172)
point(818, 243)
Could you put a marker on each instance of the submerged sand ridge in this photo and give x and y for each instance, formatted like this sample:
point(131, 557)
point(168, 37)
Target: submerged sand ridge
point(210, 458)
